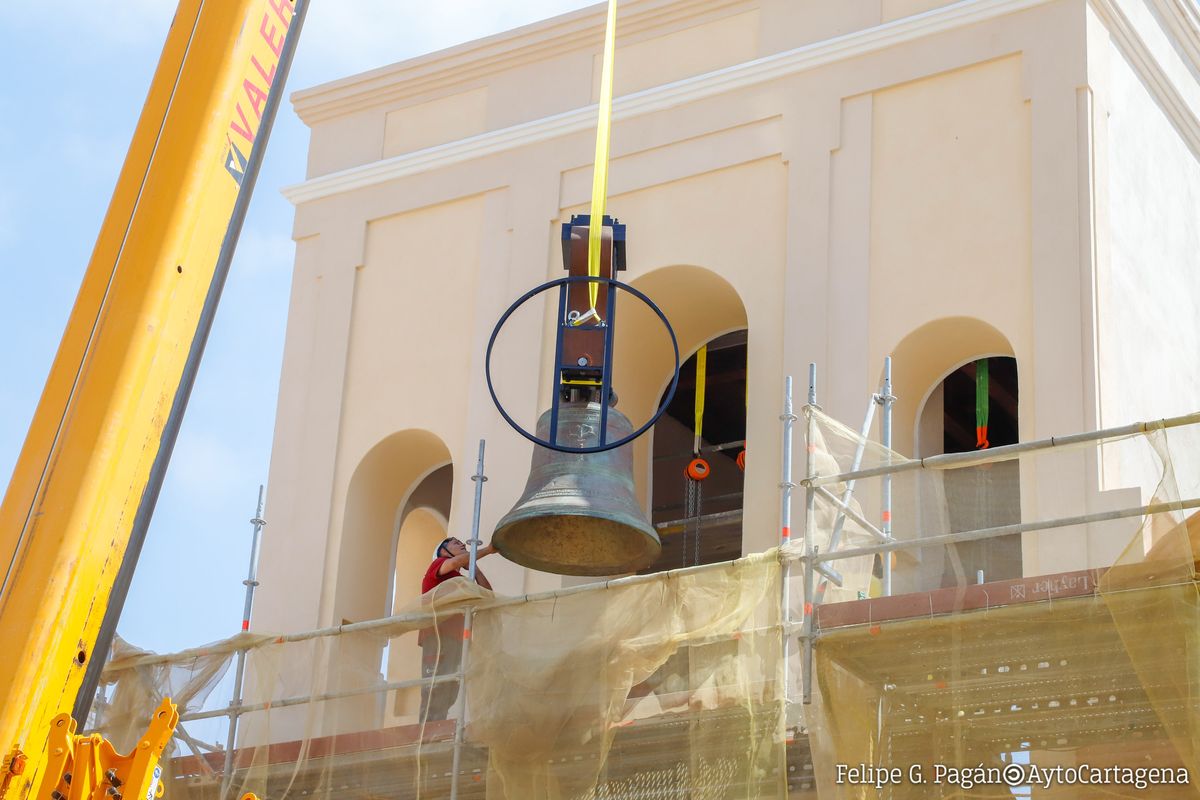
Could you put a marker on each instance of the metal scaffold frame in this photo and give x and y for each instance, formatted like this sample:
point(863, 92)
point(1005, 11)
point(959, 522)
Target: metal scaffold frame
point(814, 485)
point(813, 561)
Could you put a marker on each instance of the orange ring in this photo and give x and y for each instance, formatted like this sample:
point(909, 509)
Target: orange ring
point(741, 460)
point(698, 469)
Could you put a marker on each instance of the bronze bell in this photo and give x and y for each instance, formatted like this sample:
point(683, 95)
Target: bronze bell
point(578, 514)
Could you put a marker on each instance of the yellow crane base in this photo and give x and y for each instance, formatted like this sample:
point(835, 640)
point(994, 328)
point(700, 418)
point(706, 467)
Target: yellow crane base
point(90, 768)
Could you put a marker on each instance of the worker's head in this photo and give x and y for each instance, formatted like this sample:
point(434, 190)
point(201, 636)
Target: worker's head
point(449, 548)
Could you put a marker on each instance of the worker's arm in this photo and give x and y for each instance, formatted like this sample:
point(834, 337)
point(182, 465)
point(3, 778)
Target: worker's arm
point(481, 579)
point(454, 564)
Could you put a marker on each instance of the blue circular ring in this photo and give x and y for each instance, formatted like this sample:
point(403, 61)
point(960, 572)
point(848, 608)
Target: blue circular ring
point(487, 364)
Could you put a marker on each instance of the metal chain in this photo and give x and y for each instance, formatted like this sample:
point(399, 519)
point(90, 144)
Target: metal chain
point(693, 511)
point(689, 508)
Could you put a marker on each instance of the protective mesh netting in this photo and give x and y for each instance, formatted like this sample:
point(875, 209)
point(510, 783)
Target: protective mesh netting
point(679, 677)
point(1014, 649)
point(1073, 646)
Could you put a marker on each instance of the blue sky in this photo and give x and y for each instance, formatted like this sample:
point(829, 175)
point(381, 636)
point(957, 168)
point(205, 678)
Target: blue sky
point(74, 85)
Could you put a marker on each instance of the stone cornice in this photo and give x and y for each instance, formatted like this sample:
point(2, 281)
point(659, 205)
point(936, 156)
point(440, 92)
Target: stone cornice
point(659, 98)
point(476, 60)
point(1182, 19)
point(1140, 57)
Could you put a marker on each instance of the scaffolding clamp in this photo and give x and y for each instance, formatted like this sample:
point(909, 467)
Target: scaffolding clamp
point(88, 767)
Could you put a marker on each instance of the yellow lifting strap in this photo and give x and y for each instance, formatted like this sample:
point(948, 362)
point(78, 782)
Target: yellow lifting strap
point(600, 173)
point(701, 375)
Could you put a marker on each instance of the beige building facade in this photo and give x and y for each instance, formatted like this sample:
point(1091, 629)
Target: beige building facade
point(844, 180)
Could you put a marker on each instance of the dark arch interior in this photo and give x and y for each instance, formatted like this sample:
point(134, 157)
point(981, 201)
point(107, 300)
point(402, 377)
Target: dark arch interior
point(433, 492)
point(988, 495)
point(958, 405)
point(709, 527)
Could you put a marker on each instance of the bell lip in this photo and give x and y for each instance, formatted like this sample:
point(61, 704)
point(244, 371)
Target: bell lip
point(648, 557)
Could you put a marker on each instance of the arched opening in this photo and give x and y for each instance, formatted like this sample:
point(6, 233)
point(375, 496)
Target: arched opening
point(935, 380)
point(386, 478)
point(703, 308)
point(973, 407)
point(925, 357)
point(420, 532)
point(700, 521)
point(421, 525)
point(397, 499)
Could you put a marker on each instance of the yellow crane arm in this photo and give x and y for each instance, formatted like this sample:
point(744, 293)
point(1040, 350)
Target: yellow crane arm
point(117, 388)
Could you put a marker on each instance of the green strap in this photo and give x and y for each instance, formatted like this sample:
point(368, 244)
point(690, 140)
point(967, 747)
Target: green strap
point(981, 404)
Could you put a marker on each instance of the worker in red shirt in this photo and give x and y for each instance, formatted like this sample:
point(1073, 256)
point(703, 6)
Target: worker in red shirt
point(441, 646)
point(449, 561)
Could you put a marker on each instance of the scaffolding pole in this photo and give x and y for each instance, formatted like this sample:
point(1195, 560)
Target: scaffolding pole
point(1007, 452)
point(300, 700)
point(418, 617)
point(881, 398)
point(810, 529)
point(1007, 530)
point(786, 485)
point(885, 432)
point(478, 479)
point(460, 722)
point(239, 672)
point(843, 504)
